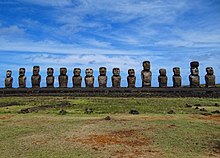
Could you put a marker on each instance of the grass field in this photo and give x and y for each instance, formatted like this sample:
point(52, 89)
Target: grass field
point(165, 127)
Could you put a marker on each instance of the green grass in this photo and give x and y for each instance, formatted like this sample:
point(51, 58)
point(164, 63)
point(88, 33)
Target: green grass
point(153, 133)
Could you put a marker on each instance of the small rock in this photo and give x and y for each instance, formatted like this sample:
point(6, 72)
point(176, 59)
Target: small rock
point(107, 118)
point(62, 112)
point(204, 110)
point(206, 114)
point(171, 112)
point(134, 112)
point(197, 105)
point(88, 110)
point(25, 111)
point(215, 112)
point(188, 106)
point(216, 105)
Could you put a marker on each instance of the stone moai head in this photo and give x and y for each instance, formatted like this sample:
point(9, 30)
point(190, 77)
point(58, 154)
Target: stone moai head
point(210, 71)
point(63, 71)
point(21, 71)
point(36, 70)
point(146, 65)
point(116, 71)
point(8, 73)
point(50, 71)
point(131, 72)
point(176, 71)
point(162, 72)
point(194, 68)
point(102, 71)
point(77, 71)
point(89, 72)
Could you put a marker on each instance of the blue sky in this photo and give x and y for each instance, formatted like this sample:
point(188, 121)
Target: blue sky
point(111, 33)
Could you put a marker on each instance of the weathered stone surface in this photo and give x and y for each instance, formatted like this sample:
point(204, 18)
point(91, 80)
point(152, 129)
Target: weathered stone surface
point(162, 78)
point(194, 77)
point(210, 77)
point(146, 74)
point(177, 79)
point(116, 78)
point(102, 79)
point(131, 79)
point(89, 78)
point(36, 77)
point(8, 79)
point(63, 78)
point(50, 78)
point(77, 79)
point(22, 78)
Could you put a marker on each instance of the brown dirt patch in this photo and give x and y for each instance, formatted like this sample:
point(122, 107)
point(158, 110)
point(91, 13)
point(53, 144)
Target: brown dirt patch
point(122, 143)
point(39, 142)
point(215, 118)
point(5, 117)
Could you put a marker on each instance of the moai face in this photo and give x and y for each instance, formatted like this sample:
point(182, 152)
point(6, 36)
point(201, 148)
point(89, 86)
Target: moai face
point(77, 71)
point(131, 72)
point(177, 80)
point(8, 79)
point(176, 71)
point(63, 71)
point(50, 71)
point(21, 71)
point(194, 77)
point(116, 71)
point(22, 78)
point(102, 71)
point(36, 70)
point(194, 68)
point(8, 73)
point(162, 72)
point(89, 72)
point(146, 65)
point(210, 71)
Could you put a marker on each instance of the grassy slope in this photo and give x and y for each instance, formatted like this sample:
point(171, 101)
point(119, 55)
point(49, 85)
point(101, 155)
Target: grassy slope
point(154, 133)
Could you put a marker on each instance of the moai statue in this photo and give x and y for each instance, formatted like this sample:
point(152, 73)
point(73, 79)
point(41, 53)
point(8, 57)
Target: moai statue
point(50, 78)
point(102, 79)
point(22, 78)
point(77, 79)
point(63, 78)
point(210, 77)
point(8, 79)
point(146, 74)
point(89, 78)
point(162, 78)
point(36, 77)
point(116, 78)
point(177, 80)
point(131, 79)
point(194, 78)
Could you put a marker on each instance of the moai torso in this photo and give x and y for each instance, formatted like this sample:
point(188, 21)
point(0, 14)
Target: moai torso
point(146, 74)
point(36, 78)
point(22, 78)
point(177, 80)
point(89, 78)
point(162, 78)
point(8, 79)
point(50, 78)
point(63, 78)
point(116, 78)
point(210, 77)
point(131, 79)
point(102, 79)
point(194, 78)
point(77, 79)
